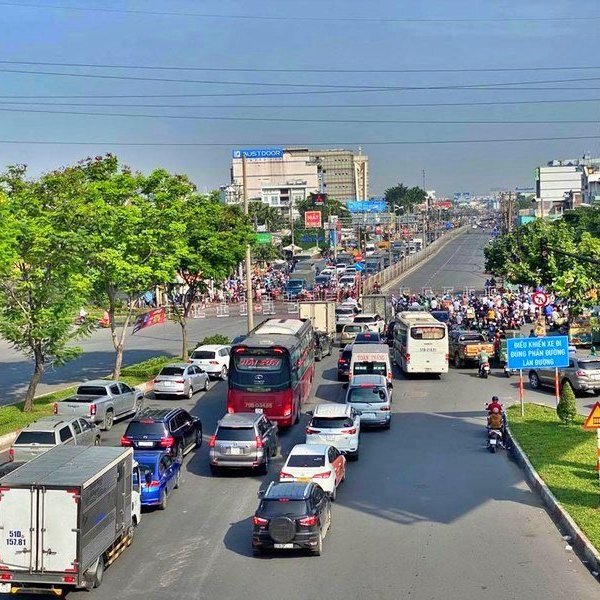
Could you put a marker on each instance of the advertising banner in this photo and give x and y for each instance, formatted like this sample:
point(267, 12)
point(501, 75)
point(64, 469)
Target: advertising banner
point(152, 317)
point(367, 206)
point(312, 218)
point(257, 153)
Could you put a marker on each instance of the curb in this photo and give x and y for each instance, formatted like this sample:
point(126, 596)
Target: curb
point(578, 540)
point(418, 265)
point(7, 440)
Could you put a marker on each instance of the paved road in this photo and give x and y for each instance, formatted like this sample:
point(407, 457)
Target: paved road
point(427, 513)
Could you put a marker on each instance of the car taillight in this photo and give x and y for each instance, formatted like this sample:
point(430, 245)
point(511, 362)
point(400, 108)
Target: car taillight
point(310, 430)
point(349, 431)
point(125, 441)
point(156, 381)
point(180, 381)
point(152, 484)
point(212, 441)
point(325, 475)
point(55, 408)
point(92, 409)
point(260, 521)
point(580, 373)
point(11, 454)
point(5, 576)
point(213, 362)
point(308, 521)
point(385, 408)
point(68, 579)
point(284, 475)
point(167, 442)
point(342, 361)
point(259, 442)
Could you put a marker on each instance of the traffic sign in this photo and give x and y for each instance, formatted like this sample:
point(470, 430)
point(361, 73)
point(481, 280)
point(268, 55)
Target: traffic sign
point(541, 352)
point(539, 299)
point(593, 419)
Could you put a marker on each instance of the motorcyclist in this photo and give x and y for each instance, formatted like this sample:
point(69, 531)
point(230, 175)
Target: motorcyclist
point(495, 419)
point(483, 359)
point(495, 405)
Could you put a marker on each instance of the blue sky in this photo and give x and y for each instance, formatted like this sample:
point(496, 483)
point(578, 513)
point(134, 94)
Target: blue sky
point(438, 34)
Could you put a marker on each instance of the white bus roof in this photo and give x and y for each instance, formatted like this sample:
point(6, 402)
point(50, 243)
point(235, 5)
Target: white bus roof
point(417, 316)
point(279, 326)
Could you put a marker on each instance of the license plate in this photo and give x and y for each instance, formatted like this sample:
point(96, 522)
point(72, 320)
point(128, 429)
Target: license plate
point(236, 451)
point(303, 479)
point(330, 438)
point(368, 415)
point(278, 546)
point(145, 444)
point(493, 442)
point(167, 383)
point(4, 588)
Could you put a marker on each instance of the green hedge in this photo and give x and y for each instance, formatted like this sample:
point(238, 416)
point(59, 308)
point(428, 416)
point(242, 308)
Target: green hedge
point(147, 369)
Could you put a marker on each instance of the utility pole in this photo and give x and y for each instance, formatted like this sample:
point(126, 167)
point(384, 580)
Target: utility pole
point(249, 298)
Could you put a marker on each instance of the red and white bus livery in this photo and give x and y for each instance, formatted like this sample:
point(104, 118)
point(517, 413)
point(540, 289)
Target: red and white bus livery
point(272, 370)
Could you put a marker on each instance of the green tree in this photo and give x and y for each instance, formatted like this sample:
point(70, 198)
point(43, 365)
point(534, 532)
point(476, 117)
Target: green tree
point(567, 406)
point(133, 229)
point(263, 214)
point(265, 252)
point(407, 198)
point(214, 240)
point(42, 275)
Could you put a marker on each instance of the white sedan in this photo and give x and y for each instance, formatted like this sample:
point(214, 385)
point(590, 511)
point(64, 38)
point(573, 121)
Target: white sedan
point(322, 464)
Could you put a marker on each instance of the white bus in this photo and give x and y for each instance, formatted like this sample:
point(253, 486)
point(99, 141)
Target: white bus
point(420, 343)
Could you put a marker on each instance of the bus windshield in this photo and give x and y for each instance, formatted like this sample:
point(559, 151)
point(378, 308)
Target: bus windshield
point(370, 368)
point(259, 372)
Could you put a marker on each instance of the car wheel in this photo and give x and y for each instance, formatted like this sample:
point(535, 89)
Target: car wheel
point(223, 374)
point(388, 425)
point(157, 396)
point(177, 480)
point(94, 579)
point(264, 468)
point(179, 454)
point(163, 500)
point(190, 393)
point(97, 441)
point(353, 456)
point(257, 552)
point(137, 406)
point(534, 381)
point(205, 388)
point(109, 419)
point(297, 420)
point(318, 550)
point(214, 470)
point(198, 439)
point(333, 494)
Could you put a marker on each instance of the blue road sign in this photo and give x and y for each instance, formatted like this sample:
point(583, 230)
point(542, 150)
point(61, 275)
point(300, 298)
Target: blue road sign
point(538, 353)
point(367, 206)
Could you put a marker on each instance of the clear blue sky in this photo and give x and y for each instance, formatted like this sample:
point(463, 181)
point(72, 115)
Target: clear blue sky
point(306, 34)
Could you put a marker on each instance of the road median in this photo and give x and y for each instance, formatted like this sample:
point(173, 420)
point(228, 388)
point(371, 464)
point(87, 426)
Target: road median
point(559, 464)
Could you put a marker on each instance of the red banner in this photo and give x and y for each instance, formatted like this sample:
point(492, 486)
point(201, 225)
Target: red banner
point(312, 218)
point(443, 204)
point(153, 317)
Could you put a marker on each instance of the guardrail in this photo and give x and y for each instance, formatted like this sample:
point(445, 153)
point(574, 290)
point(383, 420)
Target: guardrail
point(394, 271)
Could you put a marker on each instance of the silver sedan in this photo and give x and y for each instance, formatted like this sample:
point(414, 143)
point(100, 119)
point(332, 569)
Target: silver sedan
point(180, 379)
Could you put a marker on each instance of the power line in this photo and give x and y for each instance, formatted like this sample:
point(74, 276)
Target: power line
point(343, 88)
point(293, 70)
point(335, 144)
point(301, 19)
point(302, 119)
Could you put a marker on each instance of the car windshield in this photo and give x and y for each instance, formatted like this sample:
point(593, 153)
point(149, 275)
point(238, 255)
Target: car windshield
point(471, 337)
point(366, 394)
point(343, 312)
point(295, 283)
point(331, 422)
point(171, 371)
point(590, 365)
point(203, 354)
point(306, 460)
point(360, 319)
point(90, 390)
point(146, 468)
point(282, 508)
point(139, 428)
point(35, 437)
point(236, 434)
point(352, 328)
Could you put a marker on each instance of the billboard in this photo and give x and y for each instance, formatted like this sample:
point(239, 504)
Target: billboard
point(543, 352)
point(152, 317)
point(257, 153)
point(312, 218)
point(443, 204)
point(462, 196)
point(367, 206)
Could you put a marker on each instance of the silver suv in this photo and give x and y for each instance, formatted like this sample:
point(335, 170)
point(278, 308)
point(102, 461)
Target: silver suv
point(48, 432)
point(243, 440)
point(582, 374)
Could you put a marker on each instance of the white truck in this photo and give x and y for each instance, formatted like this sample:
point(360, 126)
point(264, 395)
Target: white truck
point(378, 304)
point(65, 516)
point(322, 317)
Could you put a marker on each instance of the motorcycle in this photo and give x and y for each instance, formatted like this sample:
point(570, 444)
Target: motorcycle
point(494, 439)
point(484, 370)
point(507, 371)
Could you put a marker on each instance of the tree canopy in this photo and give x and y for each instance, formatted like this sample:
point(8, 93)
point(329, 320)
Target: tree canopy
point(405, 197)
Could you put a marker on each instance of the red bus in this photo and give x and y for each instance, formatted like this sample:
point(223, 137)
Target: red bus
point(272, 370)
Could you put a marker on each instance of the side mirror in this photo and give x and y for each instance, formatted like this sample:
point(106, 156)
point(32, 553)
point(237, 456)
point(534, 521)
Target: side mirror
point(309, 413)
point(260, 494)
point(390, 385)
point(201, 370)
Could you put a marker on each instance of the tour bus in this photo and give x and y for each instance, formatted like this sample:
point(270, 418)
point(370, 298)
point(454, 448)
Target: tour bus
point(371, 359)
point(272, 370)
point(420, 343)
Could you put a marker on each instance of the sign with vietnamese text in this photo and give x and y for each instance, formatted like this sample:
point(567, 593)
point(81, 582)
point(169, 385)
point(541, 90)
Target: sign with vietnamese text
point(538, 352)
point(367, 206)
point(257, 153)
point(264, 238)
point(152, 317)
point(312, 218)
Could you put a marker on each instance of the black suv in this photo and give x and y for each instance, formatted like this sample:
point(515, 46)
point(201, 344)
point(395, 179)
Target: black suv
point(343, 365)
point(173, 429)
point(291, 516)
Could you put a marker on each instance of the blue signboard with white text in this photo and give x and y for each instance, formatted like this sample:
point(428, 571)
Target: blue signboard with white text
point(367, 206)
point(538, 352)
point(258, 153)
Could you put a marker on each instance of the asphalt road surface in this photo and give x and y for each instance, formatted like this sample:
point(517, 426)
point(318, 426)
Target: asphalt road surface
point(427, 513)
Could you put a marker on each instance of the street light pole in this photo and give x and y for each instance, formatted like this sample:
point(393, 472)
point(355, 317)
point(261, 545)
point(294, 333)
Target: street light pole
point(249, 298)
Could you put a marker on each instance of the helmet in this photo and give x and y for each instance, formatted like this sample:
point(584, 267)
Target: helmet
point(494, 398)
point(495, 410)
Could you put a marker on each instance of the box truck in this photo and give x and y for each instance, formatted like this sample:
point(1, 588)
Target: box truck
point(66, 516)
point(322, 318)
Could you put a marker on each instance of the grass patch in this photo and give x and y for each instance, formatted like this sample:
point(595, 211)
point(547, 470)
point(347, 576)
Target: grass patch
point(12, 417)
point(565, 457)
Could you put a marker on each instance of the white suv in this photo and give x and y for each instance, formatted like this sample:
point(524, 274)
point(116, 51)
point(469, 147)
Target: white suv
point(213, 359)
point(372, 320)
point(337, 425)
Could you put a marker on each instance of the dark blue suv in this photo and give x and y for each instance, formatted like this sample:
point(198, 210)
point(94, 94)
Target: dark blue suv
point(160, 475)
